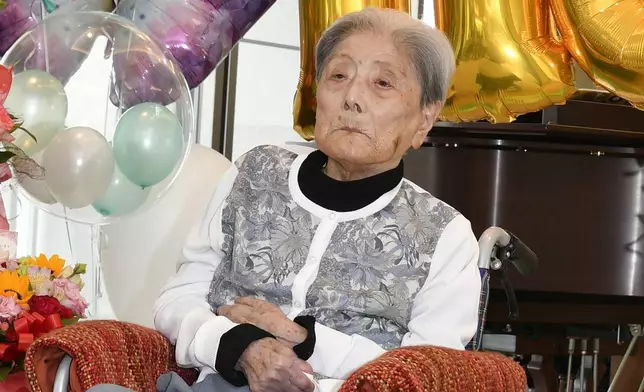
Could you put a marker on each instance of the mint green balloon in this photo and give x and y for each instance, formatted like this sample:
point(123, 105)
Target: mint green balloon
point(122, 196)
point(148, 143)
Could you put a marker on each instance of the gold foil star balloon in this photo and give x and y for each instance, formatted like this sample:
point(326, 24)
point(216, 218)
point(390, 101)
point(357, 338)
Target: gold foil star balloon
point(606, 38)
point(315, 17)
point(509, 60)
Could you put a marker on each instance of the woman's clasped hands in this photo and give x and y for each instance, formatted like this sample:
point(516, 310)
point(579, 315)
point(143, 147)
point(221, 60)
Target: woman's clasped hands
point(270, 364)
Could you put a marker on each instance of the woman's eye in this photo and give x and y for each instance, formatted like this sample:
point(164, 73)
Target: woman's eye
point(383, 83)
point(338, 76)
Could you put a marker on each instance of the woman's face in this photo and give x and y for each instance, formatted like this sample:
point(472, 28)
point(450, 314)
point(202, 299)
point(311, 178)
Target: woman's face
point(368, 103)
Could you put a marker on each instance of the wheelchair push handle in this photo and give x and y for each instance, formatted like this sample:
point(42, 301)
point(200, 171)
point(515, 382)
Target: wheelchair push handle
point(498, 246)
point(498, 249)
point(520, 255)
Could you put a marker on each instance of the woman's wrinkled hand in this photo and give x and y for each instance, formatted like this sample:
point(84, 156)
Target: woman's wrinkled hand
point(266, 316)
point(270, 366)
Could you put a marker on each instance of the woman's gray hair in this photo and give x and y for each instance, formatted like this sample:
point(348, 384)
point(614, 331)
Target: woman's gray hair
point(430, 53)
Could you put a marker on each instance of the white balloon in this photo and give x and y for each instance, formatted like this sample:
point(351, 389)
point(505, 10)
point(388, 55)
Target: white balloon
point(39, 99)
point(36, 187)
point(154, 238)
point(78, 166)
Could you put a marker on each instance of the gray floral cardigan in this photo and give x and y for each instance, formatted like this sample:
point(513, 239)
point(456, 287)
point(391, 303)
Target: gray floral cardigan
point(399, 271)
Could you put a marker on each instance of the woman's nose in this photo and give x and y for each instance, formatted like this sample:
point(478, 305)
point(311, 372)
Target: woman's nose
point(352, 105)
point(354, 100)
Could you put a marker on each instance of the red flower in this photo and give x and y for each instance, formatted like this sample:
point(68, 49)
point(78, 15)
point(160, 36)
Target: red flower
point(44, 305)
point(65, 313)
point(5, 83)
point(6, 123)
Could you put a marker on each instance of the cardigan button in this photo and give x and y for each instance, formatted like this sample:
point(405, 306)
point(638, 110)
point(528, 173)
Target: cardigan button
point(332, 216)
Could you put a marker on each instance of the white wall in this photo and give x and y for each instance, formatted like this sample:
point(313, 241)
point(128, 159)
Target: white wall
point(267, 76)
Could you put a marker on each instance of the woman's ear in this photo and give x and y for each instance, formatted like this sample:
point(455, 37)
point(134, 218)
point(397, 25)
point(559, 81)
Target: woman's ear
point(430, 114)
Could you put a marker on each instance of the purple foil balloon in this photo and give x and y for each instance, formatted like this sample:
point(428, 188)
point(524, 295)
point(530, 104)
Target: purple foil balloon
point(138, 77)
point(58, 48)
point(197, 33)
point(16, 18)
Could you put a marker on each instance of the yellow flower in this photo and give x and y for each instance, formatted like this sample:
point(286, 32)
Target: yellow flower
point(16, 286)
point(55, 263)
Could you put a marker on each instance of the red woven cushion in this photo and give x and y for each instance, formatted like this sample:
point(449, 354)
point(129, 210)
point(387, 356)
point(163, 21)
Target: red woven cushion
point(109, 352)
point(436, 369)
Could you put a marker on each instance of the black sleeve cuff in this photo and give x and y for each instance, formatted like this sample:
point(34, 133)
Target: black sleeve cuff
point(305, 349)
point(232, 345)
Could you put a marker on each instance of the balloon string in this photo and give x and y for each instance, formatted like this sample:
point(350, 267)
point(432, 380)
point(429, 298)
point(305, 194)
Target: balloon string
point(69, 236)
point(127, 55)
point(111, 83)
point(43, 12)
point(15, 199)
point(96, 266)
point(95, 242)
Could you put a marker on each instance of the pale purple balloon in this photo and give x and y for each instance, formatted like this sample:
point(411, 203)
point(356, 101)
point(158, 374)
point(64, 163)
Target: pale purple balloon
point(16, 18)
point(137, 78)
point(50, 52)
point(57, 45)
point(198, 34)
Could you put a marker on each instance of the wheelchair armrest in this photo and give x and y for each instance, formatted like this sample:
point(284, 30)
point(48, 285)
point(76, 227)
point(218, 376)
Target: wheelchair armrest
point(103, 351)
point(437, 369)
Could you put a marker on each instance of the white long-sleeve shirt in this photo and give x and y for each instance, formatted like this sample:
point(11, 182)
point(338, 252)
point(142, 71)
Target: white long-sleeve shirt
point(439, 308)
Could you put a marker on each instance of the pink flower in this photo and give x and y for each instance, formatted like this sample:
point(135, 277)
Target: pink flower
point(69, 295)
point(4, 222)
point(7, 137)
point(8, 308)
point(12, 265)
point(5, 170)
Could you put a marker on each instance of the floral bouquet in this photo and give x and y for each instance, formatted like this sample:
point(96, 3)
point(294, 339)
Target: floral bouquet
point(12, 157)
point(37, 295)
point(13, 161)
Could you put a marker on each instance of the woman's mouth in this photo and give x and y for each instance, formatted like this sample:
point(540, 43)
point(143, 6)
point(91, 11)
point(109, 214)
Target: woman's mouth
point(351, 130)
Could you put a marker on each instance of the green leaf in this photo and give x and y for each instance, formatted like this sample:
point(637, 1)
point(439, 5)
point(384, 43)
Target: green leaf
point(4, 371)
point(6, 155)
point(16, 126)
point(80, 269)
point(70, 321)
point(22, 269)
point(19, 365)
point(28, 133)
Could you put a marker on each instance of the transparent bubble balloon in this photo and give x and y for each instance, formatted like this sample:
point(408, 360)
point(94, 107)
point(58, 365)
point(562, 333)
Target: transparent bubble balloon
point(93, 161)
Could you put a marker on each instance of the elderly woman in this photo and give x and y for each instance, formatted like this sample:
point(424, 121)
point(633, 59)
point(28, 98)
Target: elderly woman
point(317, 261)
